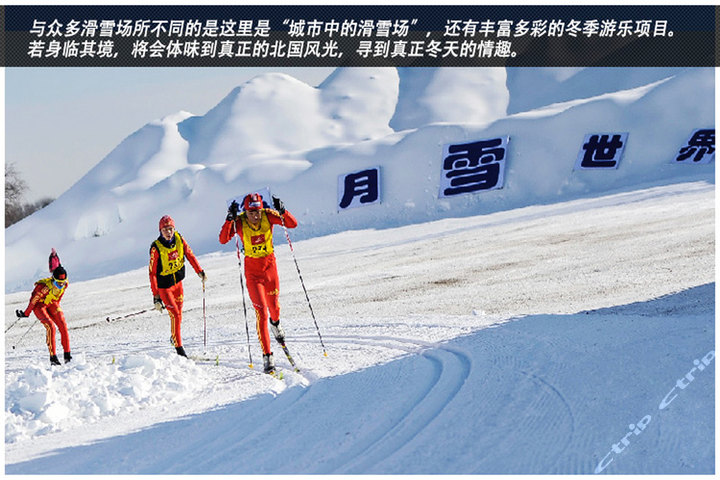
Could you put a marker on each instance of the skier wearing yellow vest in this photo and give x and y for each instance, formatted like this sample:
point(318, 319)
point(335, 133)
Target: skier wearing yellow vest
point(167, 271)
point(45, 304)
point(254, 226)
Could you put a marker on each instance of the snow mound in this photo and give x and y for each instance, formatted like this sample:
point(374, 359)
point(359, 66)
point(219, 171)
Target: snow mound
point(453, 95)
point(39, 400)
point(275, 113)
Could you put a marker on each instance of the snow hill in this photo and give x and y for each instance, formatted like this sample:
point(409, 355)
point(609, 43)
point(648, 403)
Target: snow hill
point(275, 131)
point(562, 324)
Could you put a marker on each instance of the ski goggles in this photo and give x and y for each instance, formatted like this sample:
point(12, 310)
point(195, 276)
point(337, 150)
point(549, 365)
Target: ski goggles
point(59, 284)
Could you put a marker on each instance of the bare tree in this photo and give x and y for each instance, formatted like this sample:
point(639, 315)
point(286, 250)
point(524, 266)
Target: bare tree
point(15, 188)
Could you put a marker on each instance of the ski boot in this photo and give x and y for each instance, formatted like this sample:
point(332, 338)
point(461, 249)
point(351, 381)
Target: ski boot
point(277, 331)
point(181, 351)
point(54, 360)
point(268, 363)
point(68, 357)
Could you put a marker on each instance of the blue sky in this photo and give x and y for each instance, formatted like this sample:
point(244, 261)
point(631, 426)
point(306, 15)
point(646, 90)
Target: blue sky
point(60, 122)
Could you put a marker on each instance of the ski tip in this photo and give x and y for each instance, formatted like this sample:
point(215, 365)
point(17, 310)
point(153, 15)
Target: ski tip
point(325, 353)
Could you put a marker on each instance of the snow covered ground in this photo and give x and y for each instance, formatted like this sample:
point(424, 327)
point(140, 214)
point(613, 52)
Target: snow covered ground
point(554, 338)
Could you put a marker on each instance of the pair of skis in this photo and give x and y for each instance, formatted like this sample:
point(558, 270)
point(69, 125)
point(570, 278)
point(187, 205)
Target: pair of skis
point(277, 373)
point(289, 357)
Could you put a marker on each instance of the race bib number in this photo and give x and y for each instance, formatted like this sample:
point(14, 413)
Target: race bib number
point(258, 244)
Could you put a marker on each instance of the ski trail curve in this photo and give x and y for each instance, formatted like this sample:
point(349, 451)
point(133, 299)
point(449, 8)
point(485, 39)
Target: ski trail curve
point(442, 371)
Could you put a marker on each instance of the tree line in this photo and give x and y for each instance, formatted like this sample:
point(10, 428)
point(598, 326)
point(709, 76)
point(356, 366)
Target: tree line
point(15, 207)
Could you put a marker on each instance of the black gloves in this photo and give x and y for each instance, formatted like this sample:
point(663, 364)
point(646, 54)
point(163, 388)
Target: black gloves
point(232, 211)
point(278, 204)
point(235, 207)
point(20, 314)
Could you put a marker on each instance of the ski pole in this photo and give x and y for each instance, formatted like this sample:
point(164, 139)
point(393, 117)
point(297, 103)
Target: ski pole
point(292, 251)
point(23, 335)
point(242, 289)
point(125, 316)
point(13, 324)
point(204, 319)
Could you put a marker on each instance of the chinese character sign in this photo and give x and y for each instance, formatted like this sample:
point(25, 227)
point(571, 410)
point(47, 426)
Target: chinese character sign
point(473, 167)
point(699, 149)
point(601, 151)
point(359, 188)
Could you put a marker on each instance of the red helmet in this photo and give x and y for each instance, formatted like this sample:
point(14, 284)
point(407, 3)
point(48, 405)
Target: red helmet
point(166, 221)
point(253, 202)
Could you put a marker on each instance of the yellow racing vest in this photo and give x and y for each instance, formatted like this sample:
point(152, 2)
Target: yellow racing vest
point(257, 243)
point(171, 259)
point(51, 296)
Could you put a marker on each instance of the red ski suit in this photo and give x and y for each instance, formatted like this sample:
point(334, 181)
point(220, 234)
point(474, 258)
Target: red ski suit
point(45, 304)
point(170, 259)
point(260, 265)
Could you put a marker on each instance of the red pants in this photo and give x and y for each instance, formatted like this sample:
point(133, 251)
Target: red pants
point(173, 298)
point(50, 316)
point(263, 288)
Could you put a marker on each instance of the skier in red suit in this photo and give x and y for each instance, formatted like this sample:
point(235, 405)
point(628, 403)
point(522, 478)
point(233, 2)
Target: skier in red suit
point(167, 271)
point(45, 304)
point(254, 226)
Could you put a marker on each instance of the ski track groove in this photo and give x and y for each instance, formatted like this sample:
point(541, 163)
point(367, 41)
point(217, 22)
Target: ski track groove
point(450, 369)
